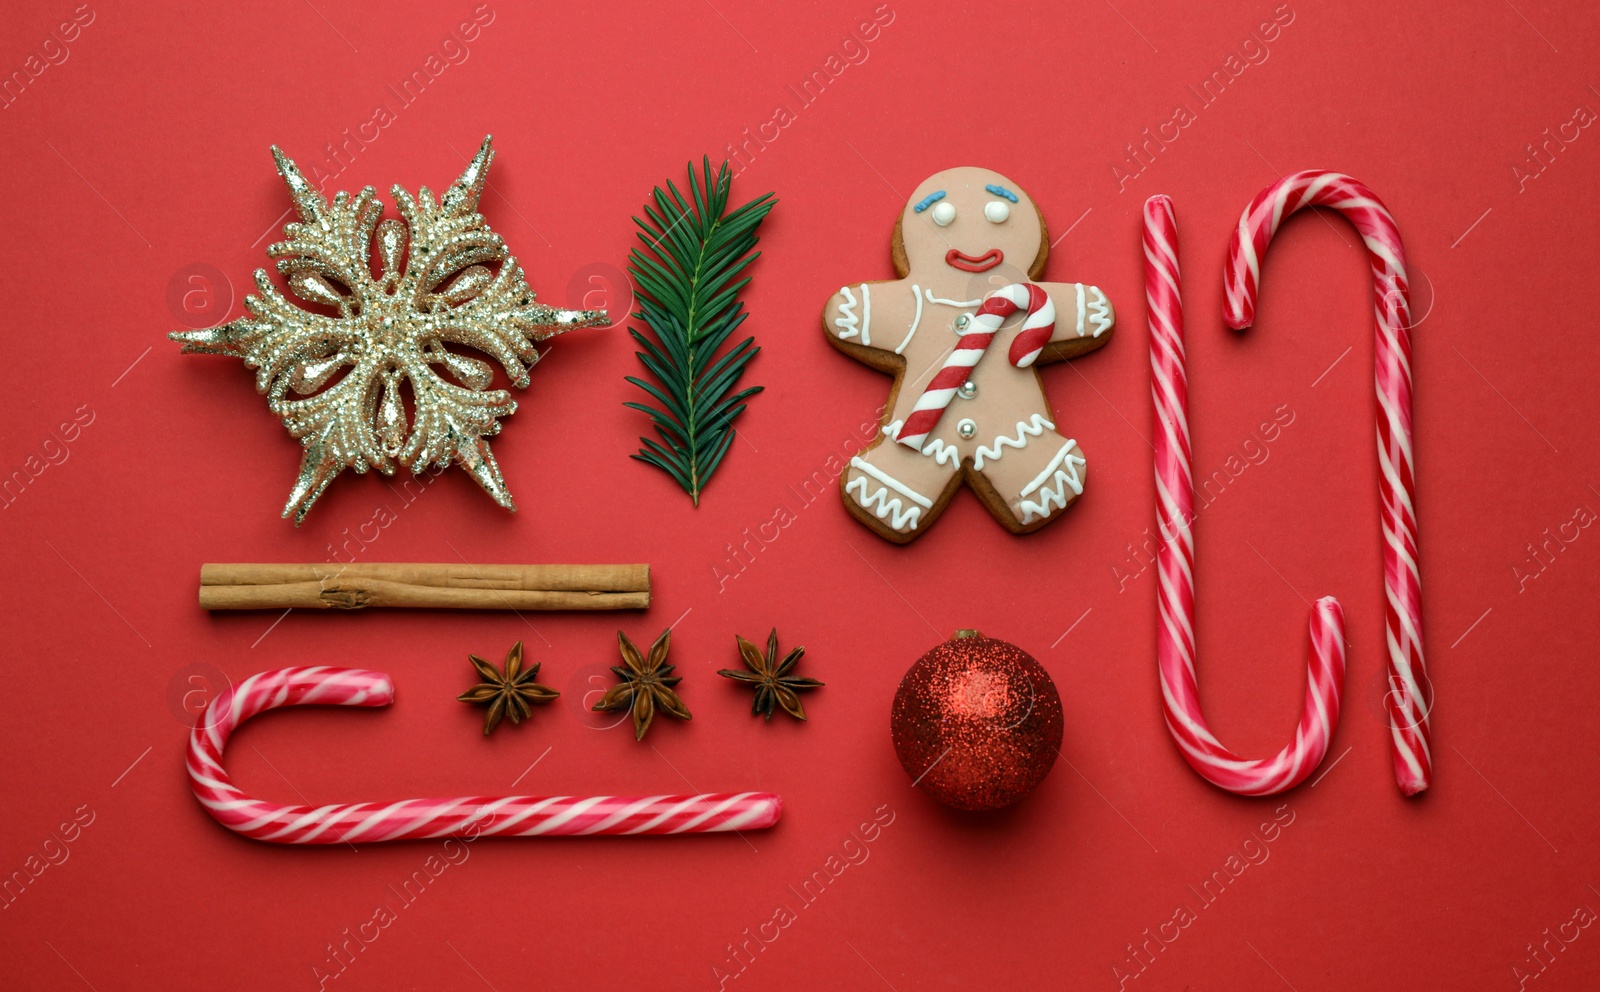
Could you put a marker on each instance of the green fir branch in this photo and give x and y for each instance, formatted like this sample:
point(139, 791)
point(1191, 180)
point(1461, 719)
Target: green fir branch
point(689, 276)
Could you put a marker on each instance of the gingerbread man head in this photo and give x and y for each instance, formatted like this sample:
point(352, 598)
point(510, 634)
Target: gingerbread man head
point(967, 221)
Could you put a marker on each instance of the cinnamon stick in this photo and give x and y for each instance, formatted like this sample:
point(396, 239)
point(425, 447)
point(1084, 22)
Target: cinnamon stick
point(332, 585)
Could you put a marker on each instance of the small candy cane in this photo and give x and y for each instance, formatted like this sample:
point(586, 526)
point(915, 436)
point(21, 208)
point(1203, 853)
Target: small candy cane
point(1410, 695)
point(1169, 389)
point(516, 816)
point(1031, 338)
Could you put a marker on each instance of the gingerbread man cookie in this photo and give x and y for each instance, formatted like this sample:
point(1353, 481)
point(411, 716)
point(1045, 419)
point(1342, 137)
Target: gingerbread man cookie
point(963, 331)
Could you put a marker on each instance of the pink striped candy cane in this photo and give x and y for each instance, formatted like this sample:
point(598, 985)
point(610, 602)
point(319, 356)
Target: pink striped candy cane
point(516, 816)
point(1169, 389)
point(1410, 695)
point(1031, 338)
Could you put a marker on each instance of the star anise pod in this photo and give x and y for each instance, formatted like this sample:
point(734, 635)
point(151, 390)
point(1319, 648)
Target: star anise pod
point(771, 678)
point(646, 684)
point(508, 692)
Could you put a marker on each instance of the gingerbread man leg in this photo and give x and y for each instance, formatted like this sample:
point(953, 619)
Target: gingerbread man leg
point(896, 490)
point(1030, 474)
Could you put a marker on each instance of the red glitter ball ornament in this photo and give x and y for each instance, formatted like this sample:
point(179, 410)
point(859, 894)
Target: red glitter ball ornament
point(976, 722)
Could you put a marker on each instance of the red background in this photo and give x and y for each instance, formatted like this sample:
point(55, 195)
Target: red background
point(145, 152)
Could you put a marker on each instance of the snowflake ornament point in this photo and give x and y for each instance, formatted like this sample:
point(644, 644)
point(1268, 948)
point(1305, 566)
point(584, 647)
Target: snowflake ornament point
point(359, 364)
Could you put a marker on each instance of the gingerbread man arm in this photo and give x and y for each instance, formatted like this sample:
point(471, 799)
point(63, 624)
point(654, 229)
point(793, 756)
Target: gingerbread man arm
point(1084, 319)
point(878, 316)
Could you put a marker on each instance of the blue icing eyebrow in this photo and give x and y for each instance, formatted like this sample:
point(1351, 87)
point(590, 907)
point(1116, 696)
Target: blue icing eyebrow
point(929, 201)
point(1002, 191)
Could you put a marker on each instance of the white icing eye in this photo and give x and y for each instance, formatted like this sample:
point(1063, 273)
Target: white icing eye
point(997, 211)
point(944, 214)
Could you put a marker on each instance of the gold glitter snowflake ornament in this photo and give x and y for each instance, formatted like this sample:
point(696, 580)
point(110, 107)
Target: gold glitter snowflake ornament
point(369, 362)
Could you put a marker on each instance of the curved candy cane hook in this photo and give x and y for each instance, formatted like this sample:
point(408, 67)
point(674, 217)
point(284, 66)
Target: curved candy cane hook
point(1410, 696)
point(1175, 647)
point(517, 816)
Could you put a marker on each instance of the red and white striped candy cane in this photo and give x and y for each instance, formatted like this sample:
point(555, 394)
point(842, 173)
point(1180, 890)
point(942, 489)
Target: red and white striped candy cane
point(516, 816)
point(1034, 334)
point(1410, 695)
point(1175, 638)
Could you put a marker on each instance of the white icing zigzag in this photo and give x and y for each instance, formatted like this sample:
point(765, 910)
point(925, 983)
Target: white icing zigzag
point(944, 454)
point(882, 506)
point(879, 502)
point(939, 451)
point(847, 323)
point(1033, 428)
point(1099, 311)
point(1093, 307)
point(1064, 467)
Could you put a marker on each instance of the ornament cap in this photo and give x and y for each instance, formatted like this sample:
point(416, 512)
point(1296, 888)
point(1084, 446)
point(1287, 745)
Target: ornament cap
point(966, 632)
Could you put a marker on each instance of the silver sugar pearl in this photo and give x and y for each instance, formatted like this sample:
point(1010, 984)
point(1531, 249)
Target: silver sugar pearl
point(967, 428)
point(962, 322)
point(967, 390)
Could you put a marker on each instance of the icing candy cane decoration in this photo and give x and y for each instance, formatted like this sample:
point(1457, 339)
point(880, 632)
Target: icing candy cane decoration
point(1036, 327)
point(516, 816)
point(1035, 333)
point(1175, 638)
point(1410, 695)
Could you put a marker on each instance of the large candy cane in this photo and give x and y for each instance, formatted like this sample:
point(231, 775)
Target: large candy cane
point(1175, 647)
point(1410, 696)
point(516, 816)
point(1034, 334)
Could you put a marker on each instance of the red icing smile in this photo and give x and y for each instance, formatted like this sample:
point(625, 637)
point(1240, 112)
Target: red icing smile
point(968, 263)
